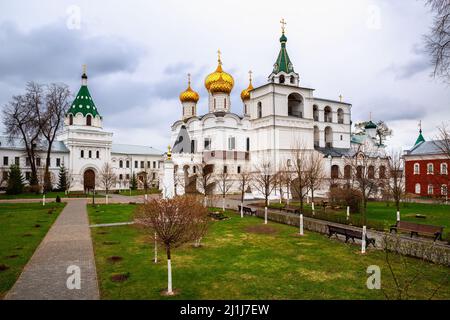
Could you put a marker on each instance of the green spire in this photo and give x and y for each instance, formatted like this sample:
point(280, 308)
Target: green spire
point(83, 102)
point(420, 139)
point(283, 62)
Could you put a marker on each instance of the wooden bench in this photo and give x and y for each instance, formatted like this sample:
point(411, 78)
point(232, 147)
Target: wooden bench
point(291, 210)
point(416, 229)
point(349, 234)
point(247, 210)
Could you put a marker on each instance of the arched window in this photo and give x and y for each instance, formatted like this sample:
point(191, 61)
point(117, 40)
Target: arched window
point(316, 113)
point(340, 114)
point(245, 109)
point(371, 172)
point(316, 137)
point(444, 190)
point(90, 154)
point(335, 172)
point(295, 105)
point(193, 145)
point(193, 111)
point(329, 137)
point(347, 172)
point(89, 120)
point(430, 168)
point(121, 164)
point(430, 189)
point(359, 172)
point(328, 116)
point(248, 145)
point(417, 188)
point(259, 111)
point(282, 79)
point(416, 168)
point(70, 119)
point(444, 168)
point(225, 102)
point(97, 154)
point(292, 80)
point(82, 154)
point(214, 104)
point(382, 172)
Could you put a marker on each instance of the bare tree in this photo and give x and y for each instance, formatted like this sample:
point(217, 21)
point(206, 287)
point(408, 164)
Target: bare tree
point(264, 182)
point(245, 178)
point(443, 140)
point(279, 181)
point(300, 180)
point(51, 119)
point(438, 41)
point(224, 183)
point(205, 180)
point(21, 121)
point(315, 174)
point(175, 222)
point(108, 179)
point(396, 182)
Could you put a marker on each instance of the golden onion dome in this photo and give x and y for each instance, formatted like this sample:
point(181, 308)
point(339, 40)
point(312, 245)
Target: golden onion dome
point(219, 74)
point(189, 95)
point(245, 94)
point(221, 86)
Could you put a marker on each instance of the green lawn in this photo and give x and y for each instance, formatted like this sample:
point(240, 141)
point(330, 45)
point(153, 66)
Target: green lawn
point(385, 215)
point(22, 227)
point(112, 213)
point(49, 195)
point(238, 263)
point(139, 192)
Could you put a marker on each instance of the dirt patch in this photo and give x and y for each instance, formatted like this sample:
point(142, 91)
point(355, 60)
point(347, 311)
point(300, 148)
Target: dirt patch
point(37, 225)
point(120, 277)
point(12, 256)
point(114, 259)
point(3, 267)
point(110, 243)
point(102, 232)
point(27, 235)
point(261, 229)
point(175, 292)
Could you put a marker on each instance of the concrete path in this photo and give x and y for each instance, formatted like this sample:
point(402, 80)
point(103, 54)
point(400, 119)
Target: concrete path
point(68, 243)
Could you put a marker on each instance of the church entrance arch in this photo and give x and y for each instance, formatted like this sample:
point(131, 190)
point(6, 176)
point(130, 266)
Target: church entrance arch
point(89, 180)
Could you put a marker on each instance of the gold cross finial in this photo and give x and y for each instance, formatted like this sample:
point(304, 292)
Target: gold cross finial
point(250, 75)
point(84, 68)
point(283, 25)
point(189, 79)
point(219, 53)
point(341, 97)
point(169, 153)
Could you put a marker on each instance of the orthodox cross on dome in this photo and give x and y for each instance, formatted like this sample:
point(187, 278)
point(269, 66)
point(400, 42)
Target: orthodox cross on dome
point(370, 116)
point(250, 75)
point(341, 97)
point(189, 79)
point(420, 126)
point(84, 68)
point(219, 58)
point(283, 25)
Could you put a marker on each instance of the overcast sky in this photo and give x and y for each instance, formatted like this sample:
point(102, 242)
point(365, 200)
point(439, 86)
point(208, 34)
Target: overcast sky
point(139, 52)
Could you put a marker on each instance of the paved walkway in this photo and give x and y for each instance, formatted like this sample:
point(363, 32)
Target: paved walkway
point(68, 243)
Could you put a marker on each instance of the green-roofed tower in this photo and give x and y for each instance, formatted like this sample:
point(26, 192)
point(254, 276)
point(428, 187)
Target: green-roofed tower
point(83, 102)
point(420, 138)
point(283, 69)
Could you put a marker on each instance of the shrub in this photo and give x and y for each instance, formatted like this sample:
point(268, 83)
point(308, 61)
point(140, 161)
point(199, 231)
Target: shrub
point(58, 199)
point(15, 181)
point(346, 197)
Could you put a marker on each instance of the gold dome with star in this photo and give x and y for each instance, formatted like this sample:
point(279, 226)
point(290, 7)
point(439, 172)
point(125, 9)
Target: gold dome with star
point(225, 80)
point(189, 95)
point(245, 94)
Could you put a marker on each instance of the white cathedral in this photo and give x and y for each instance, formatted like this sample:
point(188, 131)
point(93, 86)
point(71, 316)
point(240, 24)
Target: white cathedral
point(273, 119)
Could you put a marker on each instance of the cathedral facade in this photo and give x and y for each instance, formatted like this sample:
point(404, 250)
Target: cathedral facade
point(272, 120)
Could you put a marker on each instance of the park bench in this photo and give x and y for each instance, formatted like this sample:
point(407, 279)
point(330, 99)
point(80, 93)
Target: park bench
point(291, 210)
point(247, 210)
point(349, 234)
point(416, 229)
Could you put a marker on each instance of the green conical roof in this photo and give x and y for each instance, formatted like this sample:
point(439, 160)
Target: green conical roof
point(83, 102)
point(283, 62)
point(370, 125)
point(419, 139)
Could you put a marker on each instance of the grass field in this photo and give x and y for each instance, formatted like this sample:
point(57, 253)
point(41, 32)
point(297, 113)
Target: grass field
point(240, 259)
point(22, 227)
point(49, 195)
point(385, 214)
point(139, 192)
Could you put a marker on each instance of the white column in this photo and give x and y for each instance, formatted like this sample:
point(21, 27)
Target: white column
point(169, 278)
point(301, 224)
point(398, 216)
point(242, 210)
point(168, 180)
point(348, 213)
point(265, 215)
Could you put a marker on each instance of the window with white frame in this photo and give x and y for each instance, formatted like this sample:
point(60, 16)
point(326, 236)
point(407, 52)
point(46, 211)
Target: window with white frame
point(444, 168)
point(417, 188)
point(430, 168)
point(444, 190)
point(207, 144)
point(231, 143)
point(416, 168)
point(430, 189)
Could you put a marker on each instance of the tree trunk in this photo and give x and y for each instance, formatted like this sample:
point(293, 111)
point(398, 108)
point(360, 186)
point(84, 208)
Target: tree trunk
point(169, 272)
point(47, 178)
point(156, 250)
point(242, 209)
point(265, 215)
point(223, 203)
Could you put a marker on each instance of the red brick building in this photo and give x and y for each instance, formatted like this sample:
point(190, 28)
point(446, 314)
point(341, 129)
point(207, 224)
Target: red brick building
point(427, 169)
